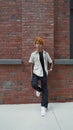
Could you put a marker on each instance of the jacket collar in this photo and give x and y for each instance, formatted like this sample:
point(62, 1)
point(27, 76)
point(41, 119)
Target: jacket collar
point(43, 51)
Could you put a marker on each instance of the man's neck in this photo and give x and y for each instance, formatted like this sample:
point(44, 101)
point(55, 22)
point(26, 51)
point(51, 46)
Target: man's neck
point(40, 50)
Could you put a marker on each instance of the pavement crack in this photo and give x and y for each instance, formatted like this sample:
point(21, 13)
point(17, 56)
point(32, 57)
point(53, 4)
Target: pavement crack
point(55, 117)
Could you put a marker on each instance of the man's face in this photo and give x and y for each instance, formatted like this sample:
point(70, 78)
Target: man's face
point(38, 46)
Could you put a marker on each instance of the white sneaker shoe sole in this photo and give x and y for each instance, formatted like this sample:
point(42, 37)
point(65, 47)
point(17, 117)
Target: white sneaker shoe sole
point(43, 111)
point(38, 93)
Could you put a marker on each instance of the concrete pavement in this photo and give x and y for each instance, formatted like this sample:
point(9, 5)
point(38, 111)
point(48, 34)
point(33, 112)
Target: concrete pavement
point(27, 117)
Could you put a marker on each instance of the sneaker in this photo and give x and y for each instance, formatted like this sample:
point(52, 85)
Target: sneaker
point(37, 93)
point(43, 111)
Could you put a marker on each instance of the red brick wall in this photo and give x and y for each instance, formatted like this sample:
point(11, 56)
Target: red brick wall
point(61, 83)
point(62, 39)
point(10, 29)
point(20, 23)
point(37, 20)
point(61, 77)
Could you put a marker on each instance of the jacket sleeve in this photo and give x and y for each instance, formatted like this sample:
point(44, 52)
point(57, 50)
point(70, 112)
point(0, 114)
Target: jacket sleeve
point(31, 59)
point(49, 58)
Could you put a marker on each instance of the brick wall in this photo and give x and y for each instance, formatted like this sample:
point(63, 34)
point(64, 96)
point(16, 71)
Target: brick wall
point(62, 39)
point(37, 20)
point(20, 23)
point(61, 77)
point(10, 29)
point(61, 83)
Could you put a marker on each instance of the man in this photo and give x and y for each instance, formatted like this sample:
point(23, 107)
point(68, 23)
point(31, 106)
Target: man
point(39, 60)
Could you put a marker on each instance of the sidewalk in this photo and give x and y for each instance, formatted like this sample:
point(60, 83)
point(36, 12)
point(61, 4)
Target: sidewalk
point(27, 117)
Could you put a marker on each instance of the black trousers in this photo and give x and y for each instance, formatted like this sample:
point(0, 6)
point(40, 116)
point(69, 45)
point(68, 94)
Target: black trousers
point(43, 89)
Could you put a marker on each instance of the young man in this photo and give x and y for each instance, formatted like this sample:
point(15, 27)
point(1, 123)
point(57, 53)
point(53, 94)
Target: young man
point(39, 60)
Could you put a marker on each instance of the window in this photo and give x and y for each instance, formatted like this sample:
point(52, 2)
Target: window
point(71, 29)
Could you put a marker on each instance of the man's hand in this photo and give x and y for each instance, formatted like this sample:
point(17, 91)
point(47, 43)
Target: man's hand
point(50, 70)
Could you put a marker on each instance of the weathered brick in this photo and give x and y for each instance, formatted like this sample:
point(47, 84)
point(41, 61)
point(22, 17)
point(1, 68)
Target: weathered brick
point(20, 23)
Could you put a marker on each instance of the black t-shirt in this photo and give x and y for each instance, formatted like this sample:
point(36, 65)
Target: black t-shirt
point(42, 61)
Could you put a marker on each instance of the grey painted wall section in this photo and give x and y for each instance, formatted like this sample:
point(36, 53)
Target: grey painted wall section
point(64, 61)
point(10, 61)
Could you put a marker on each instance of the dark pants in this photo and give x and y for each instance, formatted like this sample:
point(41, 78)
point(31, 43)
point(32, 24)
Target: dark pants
point(43, 88)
